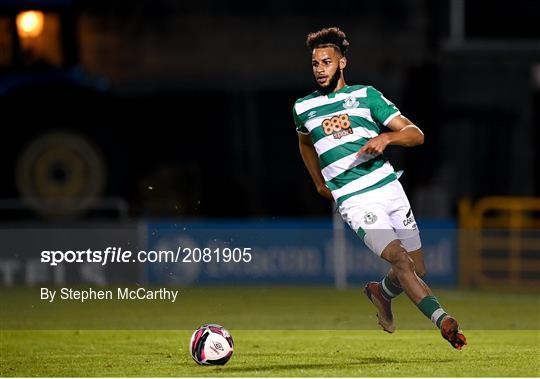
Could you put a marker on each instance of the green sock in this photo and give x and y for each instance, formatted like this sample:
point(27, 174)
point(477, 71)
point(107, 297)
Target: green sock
point(430, 306)
point(390, 289)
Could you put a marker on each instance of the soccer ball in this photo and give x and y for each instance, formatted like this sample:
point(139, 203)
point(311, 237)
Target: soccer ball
point(211, 344)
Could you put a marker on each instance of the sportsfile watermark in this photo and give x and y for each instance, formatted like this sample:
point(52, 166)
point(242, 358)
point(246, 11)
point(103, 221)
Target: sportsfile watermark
point(120, 255)
point(172, 276)
point(205, 253)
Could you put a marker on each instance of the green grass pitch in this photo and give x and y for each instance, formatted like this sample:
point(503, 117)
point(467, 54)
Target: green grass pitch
point(277, 332)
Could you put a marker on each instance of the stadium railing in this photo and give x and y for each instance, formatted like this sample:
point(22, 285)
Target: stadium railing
point(500, 242)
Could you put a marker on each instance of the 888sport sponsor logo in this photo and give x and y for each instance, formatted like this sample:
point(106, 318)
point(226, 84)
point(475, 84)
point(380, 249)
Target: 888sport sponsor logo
point(338, 126)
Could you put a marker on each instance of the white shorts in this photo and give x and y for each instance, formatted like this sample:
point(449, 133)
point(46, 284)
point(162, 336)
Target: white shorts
point(381, 216)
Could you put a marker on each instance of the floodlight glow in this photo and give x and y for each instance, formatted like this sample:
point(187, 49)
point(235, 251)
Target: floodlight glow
point(30, 24)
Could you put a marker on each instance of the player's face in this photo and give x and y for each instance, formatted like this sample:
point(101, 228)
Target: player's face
point(327, 64)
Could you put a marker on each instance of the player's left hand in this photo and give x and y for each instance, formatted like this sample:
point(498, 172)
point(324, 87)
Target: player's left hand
point(375, 145)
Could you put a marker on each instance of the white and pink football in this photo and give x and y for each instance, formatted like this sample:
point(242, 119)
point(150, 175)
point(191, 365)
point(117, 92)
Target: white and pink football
point(211, 344)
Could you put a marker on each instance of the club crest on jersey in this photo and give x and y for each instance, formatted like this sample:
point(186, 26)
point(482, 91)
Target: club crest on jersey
point(370, 218)
point(350, 102)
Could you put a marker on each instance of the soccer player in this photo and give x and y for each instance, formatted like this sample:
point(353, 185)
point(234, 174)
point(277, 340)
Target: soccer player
point(339, 130)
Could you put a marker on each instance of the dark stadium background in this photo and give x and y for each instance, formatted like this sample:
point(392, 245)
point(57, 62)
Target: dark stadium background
point(166, 126)
point(189, 103)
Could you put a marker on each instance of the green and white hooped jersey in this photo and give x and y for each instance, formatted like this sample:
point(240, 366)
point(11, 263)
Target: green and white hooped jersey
point(339, 124)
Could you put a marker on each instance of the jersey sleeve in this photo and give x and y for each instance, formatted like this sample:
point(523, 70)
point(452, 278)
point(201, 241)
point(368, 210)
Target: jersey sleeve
point(300, 128)
point(382, 109)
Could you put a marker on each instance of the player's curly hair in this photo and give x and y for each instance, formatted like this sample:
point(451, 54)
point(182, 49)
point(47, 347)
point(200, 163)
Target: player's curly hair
point(327, 37)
